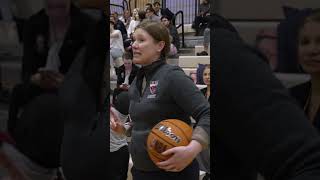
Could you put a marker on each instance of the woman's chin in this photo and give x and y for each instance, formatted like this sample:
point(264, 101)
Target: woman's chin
point(136, 61)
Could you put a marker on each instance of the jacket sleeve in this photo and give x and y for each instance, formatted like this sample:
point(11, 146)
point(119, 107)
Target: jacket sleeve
point(191, 100)
point(255, 116)
point(29, 66)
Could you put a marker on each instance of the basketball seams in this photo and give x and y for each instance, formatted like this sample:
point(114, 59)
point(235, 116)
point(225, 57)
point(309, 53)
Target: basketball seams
point(163, 139)
point(179, 129)
point(157, 155)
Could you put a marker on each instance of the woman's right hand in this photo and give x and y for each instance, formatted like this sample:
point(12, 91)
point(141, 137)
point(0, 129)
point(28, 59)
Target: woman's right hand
point(115, 123)
point(47, 79)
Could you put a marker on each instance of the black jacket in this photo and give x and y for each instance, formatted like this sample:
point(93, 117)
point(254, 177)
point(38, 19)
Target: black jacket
point(85, 144)
point(175, 36)
point(204, 91)
point(121, 27)
point(301, 93)
point(36, 39)
point(40, 130)
point(121, 74)
point(258, 127)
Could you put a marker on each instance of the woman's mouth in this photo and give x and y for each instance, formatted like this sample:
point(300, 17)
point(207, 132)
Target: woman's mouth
point(136, 54)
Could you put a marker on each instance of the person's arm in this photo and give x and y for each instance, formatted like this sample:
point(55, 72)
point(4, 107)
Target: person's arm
point(256, 118)
point(130, 28)
point(117, 126)
point(115, 34)
point(187, 96)
point(6, 163)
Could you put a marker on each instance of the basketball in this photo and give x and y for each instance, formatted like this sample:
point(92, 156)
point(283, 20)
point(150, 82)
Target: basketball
point(165, 135)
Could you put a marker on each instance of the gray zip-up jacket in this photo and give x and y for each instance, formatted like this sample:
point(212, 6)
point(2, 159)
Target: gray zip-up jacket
point(169, 94)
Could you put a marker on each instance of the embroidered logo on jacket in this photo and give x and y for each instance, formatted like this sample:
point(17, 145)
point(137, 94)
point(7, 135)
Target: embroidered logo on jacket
point(153, 89)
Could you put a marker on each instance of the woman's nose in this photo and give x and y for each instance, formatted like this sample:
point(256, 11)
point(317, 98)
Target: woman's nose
point(134, 44)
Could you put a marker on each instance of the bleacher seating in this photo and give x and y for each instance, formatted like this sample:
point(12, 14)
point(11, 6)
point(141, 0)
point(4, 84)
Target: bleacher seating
point(198, 49)
point(193, 61)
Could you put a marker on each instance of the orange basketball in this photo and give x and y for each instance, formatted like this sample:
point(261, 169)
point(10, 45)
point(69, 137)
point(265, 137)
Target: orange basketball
point(165, 135)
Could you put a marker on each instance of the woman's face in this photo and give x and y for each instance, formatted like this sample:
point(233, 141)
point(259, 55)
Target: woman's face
point(127, 63)
point(309, 47)
point(206, 76)
point(145, 49)
point(134, 12)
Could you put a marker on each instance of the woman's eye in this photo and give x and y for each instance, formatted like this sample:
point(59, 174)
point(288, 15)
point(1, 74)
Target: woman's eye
point(304, 41)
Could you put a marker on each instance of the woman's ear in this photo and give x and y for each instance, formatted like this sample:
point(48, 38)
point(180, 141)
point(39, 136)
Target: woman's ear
point(161, 45)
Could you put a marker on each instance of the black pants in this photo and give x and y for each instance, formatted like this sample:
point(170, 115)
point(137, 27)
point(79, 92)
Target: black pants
point(116, 92)
point(199, 24)
point(120, 162)
point(191, 172)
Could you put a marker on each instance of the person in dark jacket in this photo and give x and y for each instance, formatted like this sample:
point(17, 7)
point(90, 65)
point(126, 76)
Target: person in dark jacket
point(165, 20)
point(51, 41)
point(308, 93)
point(119, 25)
point(258, 127)
point(162, 12)
point(85, 147)
point(161, 91)
point(201, 19)
point(125, 75)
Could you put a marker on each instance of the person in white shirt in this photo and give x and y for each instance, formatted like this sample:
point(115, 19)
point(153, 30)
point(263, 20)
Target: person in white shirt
point(116, 46)
point(134, 22)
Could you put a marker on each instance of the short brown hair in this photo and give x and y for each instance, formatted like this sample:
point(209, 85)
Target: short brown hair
point(157, 2)
point(127, 55)
point(158, 32)
point(313, 16)
point(150, 9)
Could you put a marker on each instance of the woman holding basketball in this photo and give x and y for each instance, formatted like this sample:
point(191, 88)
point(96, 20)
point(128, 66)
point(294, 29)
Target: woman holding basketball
point(161, 91)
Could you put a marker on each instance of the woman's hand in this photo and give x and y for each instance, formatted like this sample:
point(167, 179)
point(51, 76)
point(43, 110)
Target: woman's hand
point(124, 86)
point(115, 123)
point(13, 172)
point(47, 79)
point(181, 156)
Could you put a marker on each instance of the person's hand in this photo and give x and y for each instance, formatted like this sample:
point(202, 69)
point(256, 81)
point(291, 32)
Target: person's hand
point(124, 86)
point(115, 123)
point(181, 156)
point(47, 79)
point(13, 172)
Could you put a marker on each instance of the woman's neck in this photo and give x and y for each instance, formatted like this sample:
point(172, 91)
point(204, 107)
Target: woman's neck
point(157, 58)
point(208, 90)
point(58, 27)
point(128, 69)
